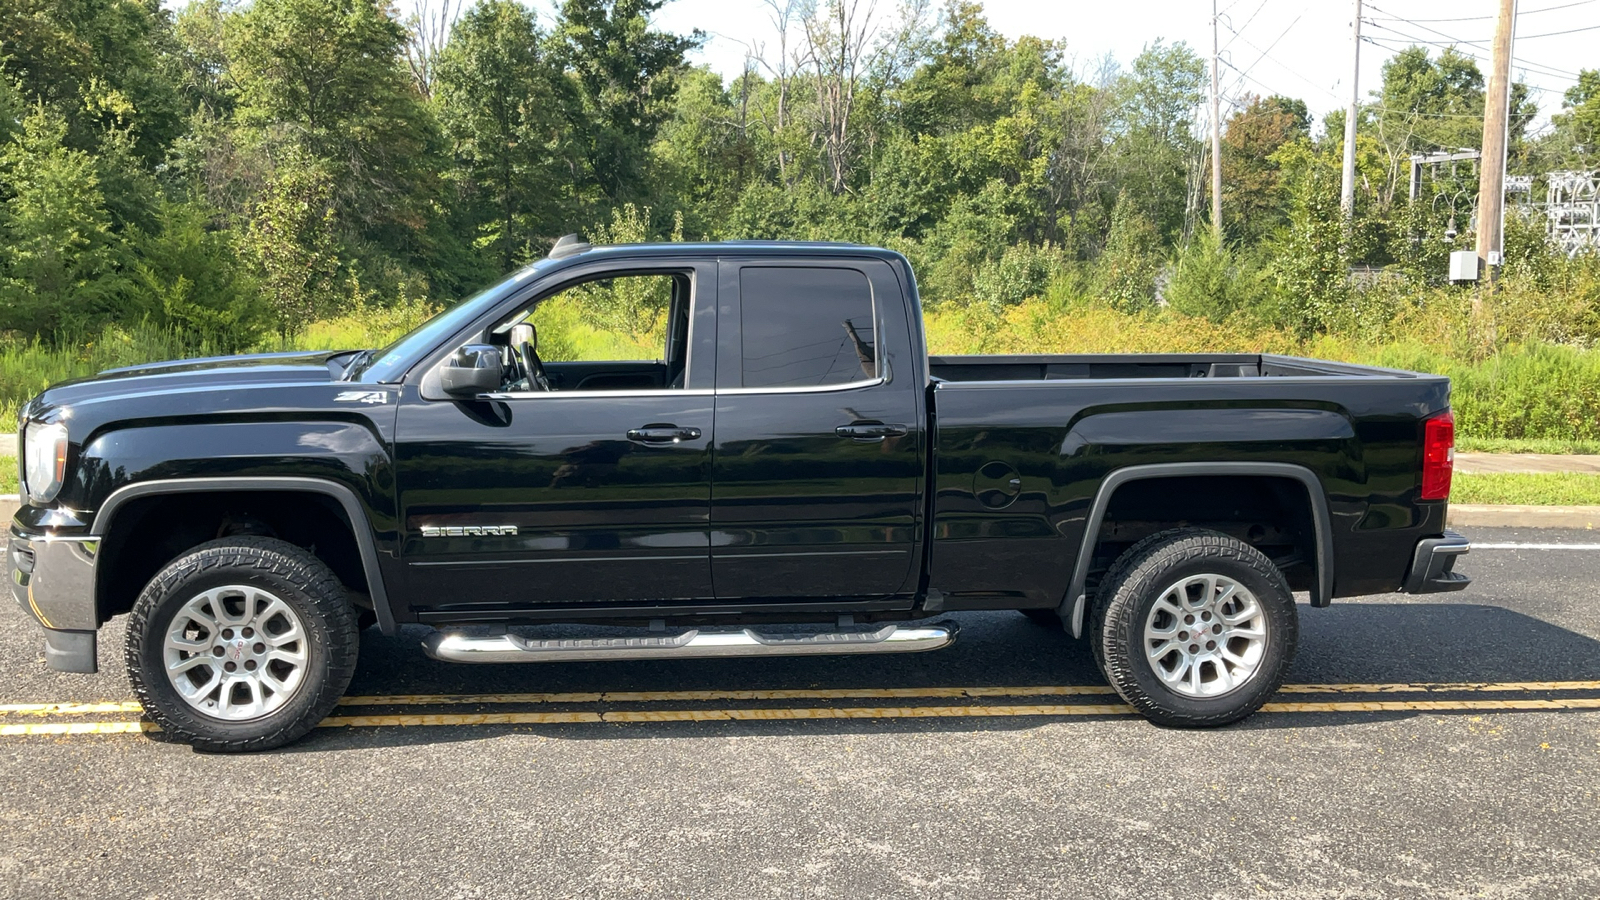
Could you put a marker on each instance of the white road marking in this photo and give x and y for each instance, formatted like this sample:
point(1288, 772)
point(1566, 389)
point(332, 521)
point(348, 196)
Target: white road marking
point(1478, 546)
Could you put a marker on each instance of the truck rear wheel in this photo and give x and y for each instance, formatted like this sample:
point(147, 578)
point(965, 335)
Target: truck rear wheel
point(1194, 628)
point(244, 643)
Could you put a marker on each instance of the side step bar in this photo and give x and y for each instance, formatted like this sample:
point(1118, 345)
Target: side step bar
point(504, 648)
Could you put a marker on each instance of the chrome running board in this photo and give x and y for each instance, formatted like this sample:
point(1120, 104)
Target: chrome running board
point(505, 648)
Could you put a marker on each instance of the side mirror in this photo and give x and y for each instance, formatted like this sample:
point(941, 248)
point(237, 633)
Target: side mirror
point(472, 370)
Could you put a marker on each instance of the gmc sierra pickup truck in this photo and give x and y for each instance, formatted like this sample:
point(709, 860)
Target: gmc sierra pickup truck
point(785, 453)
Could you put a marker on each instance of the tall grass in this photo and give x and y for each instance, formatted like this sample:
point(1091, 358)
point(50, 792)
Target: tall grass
point(1510, 385)
point(26, 368)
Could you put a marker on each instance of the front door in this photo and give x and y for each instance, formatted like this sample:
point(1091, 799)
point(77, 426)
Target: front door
point(537, 499)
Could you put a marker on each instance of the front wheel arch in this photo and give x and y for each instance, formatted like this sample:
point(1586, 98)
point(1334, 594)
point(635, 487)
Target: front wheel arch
point(120, 513)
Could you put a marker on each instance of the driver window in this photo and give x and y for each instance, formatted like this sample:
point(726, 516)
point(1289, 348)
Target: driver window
point(625, 332)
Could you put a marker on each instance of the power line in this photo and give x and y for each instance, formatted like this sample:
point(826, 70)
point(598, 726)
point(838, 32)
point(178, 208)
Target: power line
point(1414, 41)
point(1525, 12)
point(1526, 37)
point(1538, 68)
point(1235, 31)
point(1478, 44)
point(1271, 46)
point(1266, 56)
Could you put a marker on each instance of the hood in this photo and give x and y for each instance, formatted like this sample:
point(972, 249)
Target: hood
point(186, 375)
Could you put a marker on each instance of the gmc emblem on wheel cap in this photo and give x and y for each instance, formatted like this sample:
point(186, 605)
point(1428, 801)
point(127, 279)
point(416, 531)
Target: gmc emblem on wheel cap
point(468, 530)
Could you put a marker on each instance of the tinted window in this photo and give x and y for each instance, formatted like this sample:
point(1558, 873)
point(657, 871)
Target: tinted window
point(806, 326)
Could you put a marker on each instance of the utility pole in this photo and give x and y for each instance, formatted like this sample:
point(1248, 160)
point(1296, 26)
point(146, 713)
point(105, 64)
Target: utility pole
point(1347, 186)
point(1216, 133)
point(1496, 134)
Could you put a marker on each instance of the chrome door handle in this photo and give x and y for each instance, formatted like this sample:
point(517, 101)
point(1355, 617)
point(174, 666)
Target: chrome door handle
point(870, 432)
point(663, 434)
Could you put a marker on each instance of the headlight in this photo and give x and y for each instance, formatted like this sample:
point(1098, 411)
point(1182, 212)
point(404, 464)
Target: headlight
point(44, 461)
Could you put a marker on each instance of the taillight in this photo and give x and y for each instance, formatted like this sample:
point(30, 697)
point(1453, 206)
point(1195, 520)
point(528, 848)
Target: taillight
point(1438, 455)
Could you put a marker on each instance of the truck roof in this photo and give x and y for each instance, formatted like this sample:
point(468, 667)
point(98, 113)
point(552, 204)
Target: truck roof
point(573, 250)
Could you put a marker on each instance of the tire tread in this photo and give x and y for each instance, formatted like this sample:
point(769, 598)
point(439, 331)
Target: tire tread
point(1118, 601)
point(267, 556)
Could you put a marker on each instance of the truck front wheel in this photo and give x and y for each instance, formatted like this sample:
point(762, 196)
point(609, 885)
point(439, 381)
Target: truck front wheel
point(1194, 628)
point(243, 643)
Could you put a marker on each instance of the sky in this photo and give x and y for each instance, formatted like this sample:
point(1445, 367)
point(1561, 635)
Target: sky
point(1298, 48)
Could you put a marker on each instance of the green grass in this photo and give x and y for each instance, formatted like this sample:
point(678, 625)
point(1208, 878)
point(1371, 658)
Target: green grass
point(1527, 445)
point(8, 476)
point(1562, 489)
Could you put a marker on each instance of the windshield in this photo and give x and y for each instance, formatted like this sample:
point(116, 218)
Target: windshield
point(390, 363)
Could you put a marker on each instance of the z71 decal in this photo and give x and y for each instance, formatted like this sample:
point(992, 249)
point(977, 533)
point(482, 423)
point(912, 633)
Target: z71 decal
point(362, 397)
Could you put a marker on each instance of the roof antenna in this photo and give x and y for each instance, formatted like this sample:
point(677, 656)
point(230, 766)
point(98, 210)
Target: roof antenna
point(568, 245)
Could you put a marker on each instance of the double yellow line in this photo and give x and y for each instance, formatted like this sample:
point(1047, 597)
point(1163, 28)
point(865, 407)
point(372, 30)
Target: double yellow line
point(767, 714)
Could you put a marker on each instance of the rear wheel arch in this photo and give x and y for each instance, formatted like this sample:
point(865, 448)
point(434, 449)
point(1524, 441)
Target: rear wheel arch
point(129, 507)
point(1074, 603)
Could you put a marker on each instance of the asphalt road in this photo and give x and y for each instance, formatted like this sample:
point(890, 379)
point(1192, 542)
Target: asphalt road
point(1432, 793)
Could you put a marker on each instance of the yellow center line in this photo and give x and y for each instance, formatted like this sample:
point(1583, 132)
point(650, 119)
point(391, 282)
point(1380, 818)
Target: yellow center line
point(67, 728)
point(70, 709)
point(784, 694)
point(1069, 690)
point(1441, 686)
point(828, 712)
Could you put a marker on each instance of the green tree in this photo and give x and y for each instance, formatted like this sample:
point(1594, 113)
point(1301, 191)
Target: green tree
point(633, 306)
point(292, 245)
point(1576, 134)
point(1155, 148)
point(1252, 201)
point(187, 278)
point(61, 267)
point(1311, 257)
point(498, 108)
point(1126, 272)
point(1427, 104)
point(705, 153)
point(1213, 279)
point(622, 78)
point(96, 64)
point(325, 79)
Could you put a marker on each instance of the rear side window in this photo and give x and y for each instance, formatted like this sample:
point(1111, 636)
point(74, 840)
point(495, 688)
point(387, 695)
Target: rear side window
point(804, 327)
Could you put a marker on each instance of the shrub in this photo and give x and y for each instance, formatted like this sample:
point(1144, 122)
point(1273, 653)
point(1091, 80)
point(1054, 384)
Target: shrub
point(1126, 271)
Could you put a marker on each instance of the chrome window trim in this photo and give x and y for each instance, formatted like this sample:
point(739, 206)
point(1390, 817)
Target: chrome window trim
point(808, 388)
point(680, 392)
point(556, 395)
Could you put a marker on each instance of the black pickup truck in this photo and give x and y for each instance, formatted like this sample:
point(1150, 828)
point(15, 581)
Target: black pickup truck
point(784, 452)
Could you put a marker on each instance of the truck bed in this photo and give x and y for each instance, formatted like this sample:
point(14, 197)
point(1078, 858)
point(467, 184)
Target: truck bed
point(1057, 367)
point(1023, 445)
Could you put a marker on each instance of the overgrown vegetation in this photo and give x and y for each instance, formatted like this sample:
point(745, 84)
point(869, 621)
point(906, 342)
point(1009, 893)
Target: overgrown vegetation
point(274, 174)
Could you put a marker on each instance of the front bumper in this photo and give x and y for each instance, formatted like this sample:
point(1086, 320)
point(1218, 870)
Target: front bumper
point(1433, 565)
point(52, 577)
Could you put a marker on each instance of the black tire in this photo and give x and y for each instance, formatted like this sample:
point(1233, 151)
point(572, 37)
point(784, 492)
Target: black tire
point(1044, 618)
point(287, 572)
point(1132, 588)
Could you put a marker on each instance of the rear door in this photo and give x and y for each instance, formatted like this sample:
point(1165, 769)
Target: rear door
point(818, 463)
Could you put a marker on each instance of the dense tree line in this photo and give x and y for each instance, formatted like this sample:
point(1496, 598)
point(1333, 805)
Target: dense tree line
point(225, 170)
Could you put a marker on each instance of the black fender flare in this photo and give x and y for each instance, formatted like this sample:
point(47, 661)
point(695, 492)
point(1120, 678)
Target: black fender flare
point(359, 524)
point(1073, 604)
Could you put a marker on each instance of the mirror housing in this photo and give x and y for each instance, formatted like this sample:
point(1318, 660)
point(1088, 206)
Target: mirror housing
point(472, 370)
